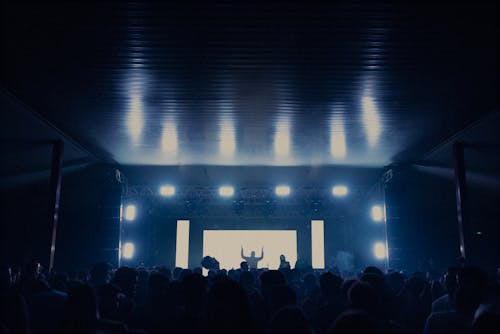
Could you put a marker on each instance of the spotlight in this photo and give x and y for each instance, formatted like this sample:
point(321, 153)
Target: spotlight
point(379, 250)
point(377, 213)
point(226, 191)
point(167, 190)
point(130, 212)
point(282, 190)
point(128, 250)
point(339, 191)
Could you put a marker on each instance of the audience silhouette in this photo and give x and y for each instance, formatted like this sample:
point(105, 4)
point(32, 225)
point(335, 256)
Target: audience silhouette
point(246, 300)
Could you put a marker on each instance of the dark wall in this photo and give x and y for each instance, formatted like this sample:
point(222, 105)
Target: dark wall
point(422, 220)
point(24, 223)
point(88, 220)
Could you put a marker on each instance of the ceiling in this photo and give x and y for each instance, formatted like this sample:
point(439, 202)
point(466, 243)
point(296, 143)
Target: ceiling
point(225, 83)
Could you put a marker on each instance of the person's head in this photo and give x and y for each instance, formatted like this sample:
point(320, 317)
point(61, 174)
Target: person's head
point(126, 279)
point(289, 320)
point(194, 290)
point(227, 308)
point(247, 281)
point(471, 286)
point(344, 289)
point(158, 286)
point(252, 254)
point(270, 279)
point(373, 270)
point(108, 300)
point(362, 296)
point(282, 258)
point(351, 322)
point(100, 273)
point(330, 285)
point(281, 296)
point(395, 281)
point(450, 280)
point(177, 273)
point(244, 266)
point(310, 281)
point(81, 309)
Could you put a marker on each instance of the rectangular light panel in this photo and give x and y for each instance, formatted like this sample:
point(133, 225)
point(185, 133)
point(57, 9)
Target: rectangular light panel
point(318, 244)
point(182, 244)
point(225, 246)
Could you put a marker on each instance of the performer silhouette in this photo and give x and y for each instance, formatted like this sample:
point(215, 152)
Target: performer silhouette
point(252, 260)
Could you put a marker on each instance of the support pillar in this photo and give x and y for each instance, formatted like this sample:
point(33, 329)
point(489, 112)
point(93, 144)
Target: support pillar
point(461, 196)
point(55, 195)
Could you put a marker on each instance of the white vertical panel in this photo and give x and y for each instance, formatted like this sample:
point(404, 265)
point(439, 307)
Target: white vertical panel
point(318, 244)
point(182, 244)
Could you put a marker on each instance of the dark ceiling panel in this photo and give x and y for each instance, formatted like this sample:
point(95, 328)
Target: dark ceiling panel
point(229, 83)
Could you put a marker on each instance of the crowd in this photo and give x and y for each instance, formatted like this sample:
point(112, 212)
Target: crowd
point(243, 300)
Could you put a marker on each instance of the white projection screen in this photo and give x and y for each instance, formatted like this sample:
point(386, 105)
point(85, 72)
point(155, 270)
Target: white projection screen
point(225, 246)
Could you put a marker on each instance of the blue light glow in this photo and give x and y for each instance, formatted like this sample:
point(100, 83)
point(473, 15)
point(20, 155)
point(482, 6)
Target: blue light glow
point(226, 191)
point(128, 250)
point(379, 250)
point(377, 213)
point(282, 190)
point(167, 190)
point(340, 190)
point(130, 212)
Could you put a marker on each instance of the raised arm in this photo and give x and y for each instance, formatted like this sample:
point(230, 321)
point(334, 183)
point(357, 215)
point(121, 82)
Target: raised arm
point(261, 254)
point(242, 255)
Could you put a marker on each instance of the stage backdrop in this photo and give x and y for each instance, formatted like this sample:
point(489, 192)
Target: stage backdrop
point(225, 246)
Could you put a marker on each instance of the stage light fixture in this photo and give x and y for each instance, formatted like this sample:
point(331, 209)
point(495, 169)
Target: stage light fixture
point(379, 250)
point(226, 191)
point(282, 190)
point(128, 250)
point(377, 213)
point(167, 190)
point(130, 212)
point(339, 191)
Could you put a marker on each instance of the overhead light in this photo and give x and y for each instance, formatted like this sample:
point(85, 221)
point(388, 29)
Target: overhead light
point(135, 121)
point(377, 213)
point(128, 250)
point(227, 139)
point(130, 212)
point(167, 190)
point(226, 191)
point(339, 191)
point(169, 141)
point(337, 138)
point(282, 139)
point(379, 250)
point(371, 120)
point(282, 190)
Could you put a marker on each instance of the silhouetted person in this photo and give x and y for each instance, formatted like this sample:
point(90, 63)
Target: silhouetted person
point(289, 319)
point(14, 313)
point(354, 321)
point(100, 274)
point(284, 264)
point(244, 266)
point(228, 310)
point(252, 260)
point(471, 285)
point(331, 302)
point(446, 302)
point(126, 280)
point(46, 308)
point(81, 315)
